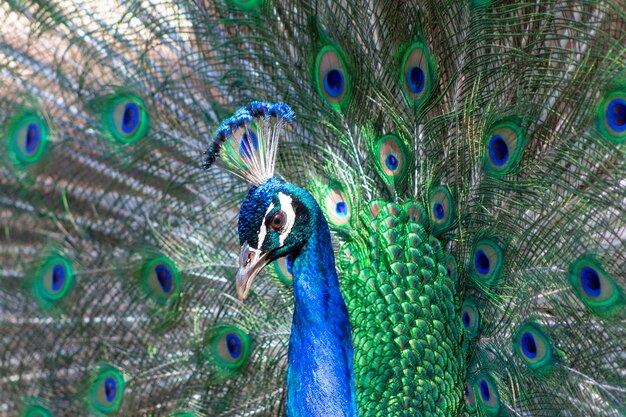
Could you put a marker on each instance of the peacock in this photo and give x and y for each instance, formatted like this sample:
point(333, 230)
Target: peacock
point(312, 208)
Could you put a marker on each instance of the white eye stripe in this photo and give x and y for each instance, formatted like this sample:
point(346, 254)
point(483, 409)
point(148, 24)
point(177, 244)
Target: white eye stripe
point(287, 208)
point(263, 230)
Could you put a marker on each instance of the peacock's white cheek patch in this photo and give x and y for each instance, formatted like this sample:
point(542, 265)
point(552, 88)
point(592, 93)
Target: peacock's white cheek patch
point(263, 229)
point(286, 204)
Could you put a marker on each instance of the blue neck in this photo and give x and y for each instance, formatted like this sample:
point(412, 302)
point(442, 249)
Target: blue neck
point(320, 380)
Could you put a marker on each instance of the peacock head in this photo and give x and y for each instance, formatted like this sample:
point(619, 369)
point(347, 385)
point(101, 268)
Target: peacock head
point(276, 219)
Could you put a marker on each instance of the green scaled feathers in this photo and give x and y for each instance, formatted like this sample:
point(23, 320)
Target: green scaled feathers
point(409, 346)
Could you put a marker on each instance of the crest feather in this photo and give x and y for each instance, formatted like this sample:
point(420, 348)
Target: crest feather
point(248, 140)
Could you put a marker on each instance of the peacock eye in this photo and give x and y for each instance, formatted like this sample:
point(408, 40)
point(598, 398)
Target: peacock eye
point(278, 220)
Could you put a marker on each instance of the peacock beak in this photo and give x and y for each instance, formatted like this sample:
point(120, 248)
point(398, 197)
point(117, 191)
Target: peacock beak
point(251, 262)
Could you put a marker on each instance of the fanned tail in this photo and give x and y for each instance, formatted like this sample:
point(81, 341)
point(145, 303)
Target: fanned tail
point(469, 157)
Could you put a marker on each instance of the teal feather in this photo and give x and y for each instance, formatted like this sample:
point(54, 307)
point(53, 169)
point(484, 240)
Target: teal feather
point(444, 131)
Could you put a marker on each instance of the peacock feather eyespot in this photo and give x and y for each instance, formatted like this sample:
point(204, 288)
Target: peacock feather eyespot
point(441, 208)
point(28, 137)
point(107, 389)
point(533, 347)
point(392, 159)
point(612, 116)
point(486, 261)
point(415, 213)
point(504, 145)
point(331, 77)
point(470, 398)
point(452, 268)
point(161, 279)
point(470, 317)
point(125, 118)
point(284, 269)
point(336, 205)
point(595, 287)
point(486, 392)
point(231, 347)
point(54, 280)
point(417, 73)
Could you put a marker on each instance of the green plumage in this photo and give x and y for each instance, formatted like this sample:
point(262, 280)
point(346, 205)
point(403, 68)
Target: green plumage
point(468, 155)
point(409, 344)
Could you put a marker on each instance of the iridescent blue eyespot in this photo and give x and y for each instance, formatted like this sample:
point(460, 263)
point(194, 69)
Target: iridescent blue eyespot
point(533, 347)
point(130, 118)
point(32, 138)
point(126, 120)
point(392, 162)
point(58, 277)
point(417, 73)
point(470, 399)
point(164, 276)
point(110, 389)
point(487, 392)
point(441, 208)
point(28, 135)
point(233, 343)
point(392, 159)
point(611, 116)
point(231, 347)
point(487, 261)
point(415, 79)
point(595, 287)
point(161, 279)
point(341, 208)
point(107, 389)
point(470, 317)
point(337, 207)
point(590, 281)
point(505, 143)
point(498, 150)
point(529, 347)
point(54, 280)
point(482, 262)
point(616, 114)
point(333, 82)
point(332, 79)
